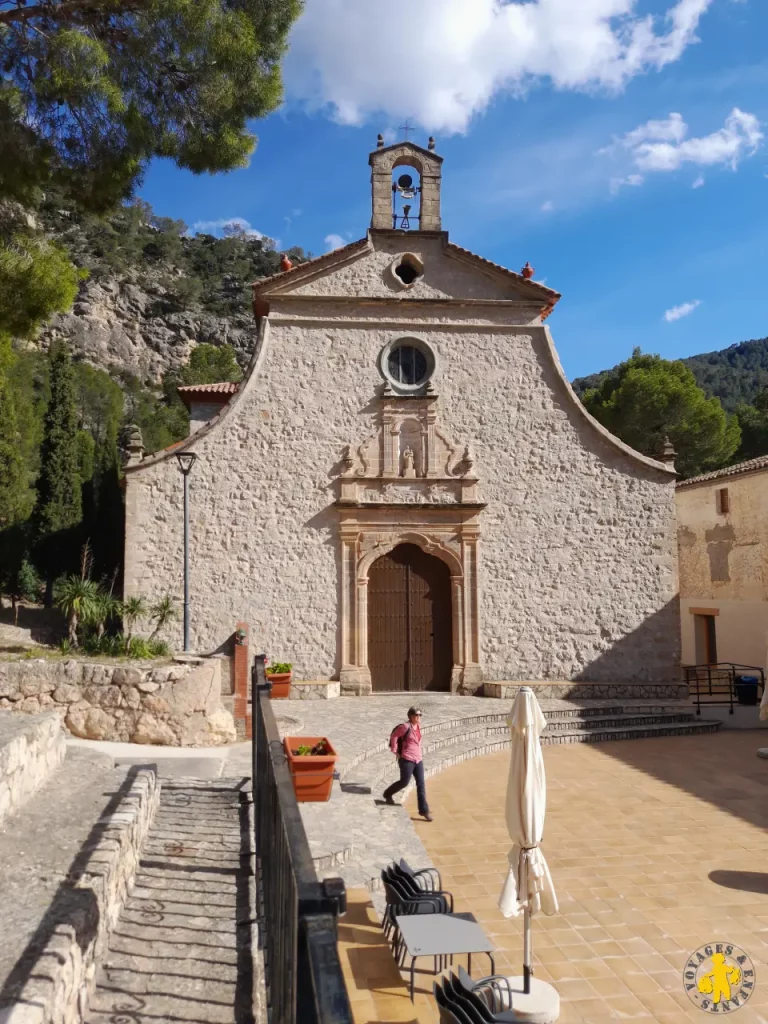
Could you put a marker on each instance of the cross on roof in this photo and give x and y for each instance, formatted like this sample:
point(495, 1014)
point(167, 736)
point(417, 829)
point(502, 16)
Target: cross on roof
point(406, 128)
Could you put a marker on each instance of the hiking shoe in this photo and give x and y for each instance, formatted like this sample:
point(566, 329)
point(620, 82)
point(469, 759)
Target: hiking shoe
point(388, 799)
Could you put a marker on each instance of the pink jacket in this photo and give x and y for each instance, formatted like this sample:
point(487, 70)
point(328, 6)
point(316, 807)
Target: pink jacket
point(412, 743)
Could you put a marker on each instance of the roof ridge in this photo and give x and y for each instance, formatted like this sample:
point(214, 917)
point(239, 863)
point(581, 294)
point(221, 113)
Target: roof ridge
point(760, 462)
point(309, 263)
point(220, 386)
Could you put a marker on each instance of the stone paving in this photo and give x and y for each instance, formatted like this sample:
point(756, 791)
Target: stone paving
point(181, 950)
point(655, 847)
point(352, 835)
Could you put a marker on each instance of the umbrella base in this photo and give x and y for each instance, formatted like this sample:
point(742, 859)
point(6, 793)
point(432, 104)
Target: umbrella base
point(540, 1006)
point(763, 752)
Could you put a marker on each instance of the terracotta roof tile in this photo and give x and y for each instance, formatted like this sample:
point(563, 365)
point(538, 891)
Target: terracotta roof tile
point(740, 467)
point(224, 388)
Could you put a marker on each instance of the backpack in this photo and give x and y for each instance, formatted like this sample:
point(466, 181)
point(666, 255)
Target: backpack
point(401, 740)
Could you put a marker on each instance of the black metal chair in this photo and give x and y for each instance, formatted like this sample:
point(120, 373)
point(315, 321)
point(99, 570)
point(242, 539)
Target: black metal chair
point(494, 988)
point(400, 902)
point(472, 1003)
point(427, 878)
point(449, 1012)
point(419, 885)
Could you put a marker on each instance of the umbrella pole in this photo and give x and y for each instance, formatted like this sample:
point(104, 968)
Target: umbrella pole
point(526, 950)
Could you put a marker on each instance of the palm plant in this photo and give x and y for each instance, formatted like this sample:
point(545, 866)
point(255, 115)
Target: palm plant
point(105, 607)
point(76, 598)
point(162, 611)
point(133, 609)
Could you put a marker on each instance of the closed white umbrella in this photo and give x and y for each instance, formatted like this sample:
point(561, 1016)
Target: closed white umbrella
point(528, 886)
point(763, 751)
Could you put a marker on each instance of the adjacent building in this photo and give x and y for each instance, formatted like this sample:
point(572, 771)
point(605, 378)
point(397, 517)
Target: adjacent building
point(723, 540)
point(405, 492)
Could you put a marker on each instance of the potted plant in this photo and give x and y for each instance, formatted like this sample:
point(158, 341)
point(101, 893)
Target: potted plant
point(311, 760)
point(280, 675)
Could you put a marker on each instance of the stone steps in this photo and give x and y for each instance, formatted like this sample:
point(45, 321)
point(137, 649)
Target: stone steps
point(599, 711)
point(458, 740)
point(183, 949)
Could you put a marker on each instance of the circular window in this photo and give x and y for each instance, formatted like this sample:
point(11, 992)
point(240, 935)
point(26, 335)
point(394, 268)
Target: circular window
point(407, 364)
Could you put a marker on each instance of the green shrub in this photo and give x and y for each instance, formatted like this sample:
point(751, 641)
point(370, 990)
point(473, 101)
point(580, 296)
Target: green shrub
point(278, 668)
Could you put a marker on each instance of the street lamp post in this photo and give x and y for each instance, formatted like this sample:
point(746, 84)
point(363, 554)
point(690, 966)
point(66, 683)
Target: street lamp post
point(186, 460)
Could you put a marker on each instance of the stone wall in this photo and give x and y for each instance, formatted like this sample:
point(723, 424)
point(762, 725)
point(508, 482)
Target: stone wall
point(577, 558)
point(176, 704)
point(30, 749)
point(59, 987)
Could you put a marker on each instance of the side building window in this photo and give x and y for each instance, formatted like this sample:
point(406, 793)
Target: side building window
point(722, 501)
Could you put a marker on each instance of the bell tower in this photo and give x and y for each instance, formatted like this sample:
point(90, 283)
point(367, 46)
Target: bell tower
point(399, 202)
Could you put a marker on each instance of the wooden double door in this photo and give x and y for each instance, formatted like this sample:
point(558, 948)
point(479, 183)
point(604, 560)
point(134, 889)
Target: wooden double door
point(410, 643)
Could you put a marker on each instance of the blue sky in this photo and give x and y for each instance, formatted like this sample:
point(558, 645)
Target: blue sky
point(617, 145)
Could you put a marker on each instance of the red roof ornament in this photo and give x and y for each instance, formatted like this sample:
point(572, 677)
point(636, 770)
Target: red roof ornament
point(527, 271)
point(285, 263)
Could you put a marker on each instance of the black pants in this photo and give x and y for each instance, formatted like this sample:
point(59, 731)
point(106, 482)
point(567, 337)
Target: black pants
point(408, 769)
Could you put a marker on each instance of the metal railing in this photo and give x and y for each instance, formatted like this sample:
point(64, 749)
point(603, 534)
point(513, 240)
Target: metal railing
point(718, 683)
point(304, 979)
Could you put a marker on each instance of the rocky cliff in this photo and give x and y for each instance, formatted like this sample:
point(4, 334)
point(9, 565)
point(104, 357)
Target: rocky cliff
point(116, 325)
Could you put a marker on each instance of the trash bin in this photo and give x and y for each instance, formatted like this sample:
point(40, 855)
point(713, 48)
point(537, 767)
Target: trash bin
point(746, 690)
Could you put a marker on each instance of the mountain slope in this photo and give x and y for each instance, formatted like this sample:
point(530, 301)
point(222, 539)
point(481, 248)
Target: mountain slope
point(734, 374)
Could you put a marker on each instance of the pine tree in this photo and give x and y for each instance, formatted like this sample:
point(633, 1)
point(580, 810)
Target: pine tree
point(59, 500)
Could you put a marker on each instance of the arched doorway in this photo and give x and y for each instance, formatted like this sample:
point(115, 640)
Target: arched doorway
point(410, 642)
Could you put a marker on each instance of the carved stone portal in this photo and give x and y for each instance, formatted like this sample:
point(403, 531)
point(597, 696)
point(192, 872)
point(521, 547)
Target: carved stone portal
point(407, 485)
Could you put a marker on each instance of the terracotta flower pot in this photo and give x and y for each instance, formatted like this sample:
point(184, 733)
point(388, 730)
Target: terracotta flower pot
point(281, 685)
point(312, 774)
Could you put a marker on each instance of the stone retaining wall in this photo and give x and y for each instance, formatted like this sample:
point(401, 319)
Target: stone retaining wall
point(29, 751)
point(58, 989)
point(177, 704)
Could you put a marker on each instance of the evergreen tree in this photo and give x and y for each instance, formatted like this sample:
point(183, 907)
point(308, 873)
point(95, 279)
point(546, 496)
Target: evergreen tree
point(91, 92)
point(13, 491)
point(647, 398)
point(753, 420)
point(59, 501)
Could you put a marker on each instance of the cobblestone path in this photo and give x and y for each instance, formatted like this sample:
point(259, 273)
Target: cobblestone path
point(181, 950)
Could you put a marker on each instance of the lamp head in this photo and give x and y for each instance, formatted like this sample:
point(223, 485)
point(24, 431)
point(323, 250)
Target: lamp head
point(186, 460)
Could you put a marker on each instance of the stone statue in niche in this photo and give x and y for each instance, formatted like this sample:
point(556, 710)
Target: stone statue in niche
point(409, 469)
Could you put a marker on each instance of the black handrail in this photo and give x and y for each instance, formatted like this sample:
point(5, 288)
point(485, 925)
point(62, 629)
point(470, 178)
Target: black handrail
point(305, 984)
point(719, 680)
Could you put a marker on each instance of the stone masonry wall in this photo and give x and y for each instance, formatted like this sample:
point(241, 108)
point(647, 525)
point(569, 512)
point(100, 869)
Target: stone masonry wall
point(577, 551)
point(59, 987)
point(171, 705)
point(30, 750)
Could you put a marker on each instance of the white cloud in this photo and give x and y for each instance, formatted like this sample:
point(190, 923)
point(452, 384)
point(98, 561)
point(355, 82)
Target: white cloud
point(219, 227)
point(698, 182)
point(548, 206)
point(447, 59)
point(631, 180)
point(678, 312)
point(664, 146)
point(333, 242)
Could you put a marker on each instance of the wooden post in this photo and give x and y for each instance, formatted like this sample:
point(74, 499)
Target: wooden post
point(242, 707)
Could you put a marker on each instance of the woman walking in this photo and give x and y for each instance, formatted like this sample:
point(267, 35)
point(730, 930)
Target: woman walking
point(405, 743)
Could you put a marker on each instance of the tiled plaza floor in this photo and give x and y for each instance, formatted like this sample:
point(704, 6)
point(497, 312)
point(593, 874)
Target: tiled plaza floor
point(656, 847)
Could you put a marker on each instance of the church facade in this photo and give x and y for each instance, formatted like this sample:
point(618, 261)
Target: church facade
point(405, 492)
